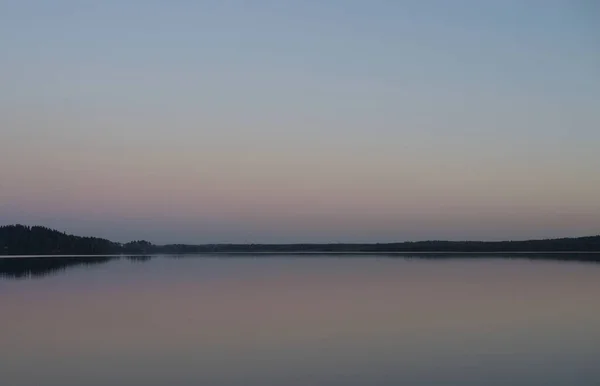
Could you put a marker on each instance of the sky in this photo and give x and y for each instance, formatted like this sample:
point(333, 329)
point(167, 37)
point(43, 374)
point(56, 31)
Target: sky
point(301, 121)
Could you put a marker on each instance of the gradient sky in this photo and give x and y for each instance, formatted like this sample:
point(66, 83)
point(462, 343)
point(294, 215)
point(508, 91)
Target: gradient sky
point(280, 121)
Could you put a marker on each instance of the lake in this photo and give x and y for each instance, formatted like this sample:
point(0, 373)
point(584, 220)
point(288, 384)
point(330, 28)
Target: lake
point(298, 320)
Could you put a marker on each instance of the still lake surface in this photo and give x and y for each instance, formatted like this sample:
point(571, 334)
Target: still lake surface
point(285, 320)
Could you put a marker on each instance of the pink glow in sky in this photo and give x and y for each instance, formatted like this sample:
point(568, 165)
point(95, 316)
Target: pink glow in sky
point(324, 122)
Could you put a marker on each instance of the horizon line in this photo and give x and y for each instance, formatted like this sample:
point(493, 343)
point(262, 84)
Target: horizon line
point(316, 243)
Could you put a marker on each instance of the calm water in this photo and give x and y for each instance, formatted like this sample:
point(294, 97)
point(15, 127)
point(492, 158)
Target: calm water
point(299, 321)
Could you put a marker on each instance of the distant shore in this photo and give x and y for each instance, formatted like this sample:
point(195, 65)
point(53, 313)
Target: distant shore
point(21, 240)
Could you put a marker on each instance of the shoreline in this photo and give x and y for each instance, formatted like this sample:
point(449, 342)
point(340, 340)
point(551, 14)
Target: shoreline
point(284, 253)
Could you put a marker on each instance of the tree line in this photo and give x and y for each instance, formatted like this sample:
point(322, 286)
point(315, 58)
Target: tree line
point(39, 240)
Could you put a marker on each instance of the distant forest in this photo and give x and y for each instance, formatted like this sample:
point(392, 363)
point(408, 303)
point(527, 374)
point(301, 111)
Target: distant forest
point(39, 240)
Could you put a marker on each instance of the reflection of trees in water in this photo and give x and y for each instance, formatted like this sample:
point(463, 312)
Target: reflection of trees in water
point(36, 267)
point(584, 257)
point(138, 258)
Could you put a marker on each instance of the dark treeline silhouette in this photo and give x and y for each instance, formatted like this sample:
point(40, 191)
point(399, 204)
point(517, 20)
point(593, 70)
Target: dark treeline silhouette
point(580, 244)
point(24, 240)
point(37, 240)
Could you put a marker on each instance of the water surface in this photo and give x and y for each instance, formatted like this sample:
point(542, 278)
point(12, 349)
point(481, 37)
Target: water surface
point(281, 320)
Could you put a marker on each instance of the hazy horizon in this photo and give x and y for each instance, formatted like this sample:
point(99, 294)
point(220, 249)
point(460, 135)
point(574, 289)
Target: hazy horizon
point(275, 122)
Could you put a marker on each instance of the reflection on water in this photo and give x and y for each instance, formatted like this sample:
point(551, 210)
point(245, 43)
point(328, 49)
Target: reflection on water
point(139, 258)
point(40, 266)
point(298, 321)
point(31, 267)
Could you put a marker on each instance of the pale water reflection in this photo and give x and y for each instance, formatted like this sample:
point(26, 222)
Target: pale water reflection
point(290, 321)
